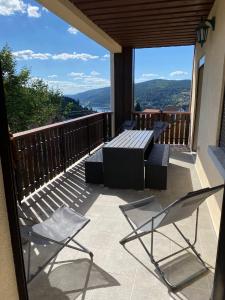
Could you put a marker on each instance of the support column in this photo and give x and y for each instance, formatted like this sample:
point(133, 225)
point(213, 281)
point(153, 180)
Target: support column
point(122, 86)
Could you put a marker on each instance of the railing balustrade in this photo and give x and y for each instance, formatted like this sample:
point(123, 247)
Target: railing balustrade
point(44, 152)
point(177, 131)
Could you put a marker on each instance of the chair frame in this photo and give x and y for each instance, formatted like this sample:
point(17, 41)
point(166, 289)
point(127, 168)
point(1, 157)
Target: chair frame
point(191, 245)
point(80, 248)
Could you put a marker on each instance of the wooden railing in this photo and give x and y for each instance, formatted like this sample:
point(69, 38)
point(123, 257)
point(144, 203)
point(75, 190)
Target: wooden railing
point(177, 131)
point(42, 153)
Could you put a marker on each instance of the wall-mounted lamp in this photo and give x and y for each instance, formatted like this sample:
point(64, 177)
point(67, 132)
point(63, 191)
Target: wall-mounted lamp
point(202, 29)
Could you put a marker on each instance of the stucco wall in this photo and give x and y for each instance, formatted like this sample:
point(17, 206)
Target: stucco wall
point(211, 104)
point(8, 286)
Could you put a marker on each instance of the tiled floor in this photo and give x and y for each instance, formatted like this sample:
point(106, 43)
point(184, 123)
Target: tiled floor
point(117, 272)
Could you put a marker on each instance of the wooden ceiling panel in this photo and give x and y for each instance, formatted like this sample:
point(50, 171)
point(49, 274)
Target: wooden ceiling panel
point(147, 23)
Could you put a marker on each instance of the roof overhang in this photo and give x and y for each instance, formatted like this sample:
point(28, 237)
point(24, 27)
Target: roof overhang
point(134, 23)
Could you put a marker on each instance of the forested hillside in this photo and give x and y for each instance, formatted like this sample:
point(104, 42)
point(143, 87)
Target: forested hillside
point(157, 93)
point(30, 102)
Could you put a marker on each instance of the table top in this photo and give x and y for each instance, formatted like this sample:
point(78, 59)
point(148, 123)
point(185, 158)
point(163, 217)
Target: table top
point(131, 139)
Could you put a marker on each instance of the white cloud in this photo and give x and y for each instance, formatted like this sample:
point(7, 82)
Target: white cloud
point(10, 7)
point(98, 81)
point(88, 81)
point(178, 73)
point(29, 54)
point(105, 57)
point(92, 78)
point(33, 11)
point(70, 87)
point(52, 76)
point(45, 9)
point(74, 55)
point(72, 30)
point(149, 75)
point(94, 73)
point(74, 74)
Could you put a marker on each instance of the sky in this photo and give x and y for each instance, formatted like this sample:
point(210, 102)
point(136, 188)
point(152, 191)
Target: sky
point(70, 61)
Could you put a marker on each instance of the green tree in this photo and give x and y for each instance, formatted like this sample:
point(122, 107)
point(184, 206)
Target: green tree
point(30, 102)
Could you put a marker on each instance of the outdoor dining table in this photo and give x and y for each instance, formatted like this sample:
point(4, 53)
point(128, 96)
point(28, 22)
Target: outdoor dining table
point(123, 159)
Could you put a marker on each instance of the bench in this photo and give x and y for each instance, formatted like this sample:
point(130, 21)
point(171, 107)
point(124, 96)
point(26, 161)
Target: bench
point(94, 168)
point(156, 167)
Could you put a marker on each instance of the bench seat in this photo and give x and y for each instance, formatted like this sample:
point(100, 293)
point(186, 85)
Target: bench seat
point(156, 167)
point(94, 168)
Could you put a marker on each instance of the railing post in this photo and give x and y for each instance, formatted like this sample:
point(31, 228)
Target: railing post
point(88, 136)
point(62, 148)
point(109, 126)
point(105, 128)
point(16, 175)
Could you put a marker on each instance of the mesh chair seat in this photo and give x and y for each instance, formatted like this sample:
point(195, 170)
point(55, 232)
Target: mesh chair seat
point(140, 212)
point(147, 215)
point(60, 228)
point(62, 224)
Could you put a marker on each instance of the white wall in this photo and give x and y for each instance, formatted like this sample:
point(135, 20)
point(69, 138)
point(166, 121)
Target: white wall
point(211, 104)
point(8, 286)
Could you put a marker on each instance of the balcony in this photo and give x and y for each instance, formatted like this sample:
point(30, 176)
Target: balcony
point(117, 272)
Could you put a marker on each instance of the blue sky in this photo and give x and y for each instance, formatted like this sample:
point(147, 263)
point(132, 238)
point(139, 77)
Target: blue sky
point(67, 59)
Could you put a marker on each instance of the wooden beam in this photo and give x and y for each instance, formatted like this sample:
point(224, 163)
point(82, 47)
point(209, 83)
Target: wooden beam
point(152, 23)
point(162, 44)
point(141, 12)
point(159, 18)
point(94, 4)
point(151, 28)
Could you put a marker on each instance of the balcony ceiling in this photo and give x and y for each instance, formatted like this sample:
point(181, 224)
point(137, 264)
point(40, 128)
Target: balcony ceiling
point(147, 23)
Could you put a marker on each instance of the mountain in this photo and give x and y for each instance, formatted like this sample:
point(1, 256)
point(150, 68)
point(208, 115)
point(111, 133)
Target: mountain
point(94, 98)
point(157, 93)
point(160, 93)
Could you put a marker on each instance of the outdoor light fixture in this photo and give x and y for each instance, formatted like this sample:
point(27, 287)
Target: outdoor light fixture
point(202, 29)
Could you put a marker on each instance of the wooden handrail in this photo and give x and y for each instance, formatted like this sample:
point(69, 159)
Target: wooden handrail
point(56, 125)
point(44, 152)
point(163, 112)
point(176, 133)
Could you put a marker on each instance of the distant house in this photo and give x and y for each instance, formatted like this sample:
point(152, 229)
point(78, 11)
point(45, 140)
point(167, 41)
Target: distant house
point(151, 110)
point(172, 108)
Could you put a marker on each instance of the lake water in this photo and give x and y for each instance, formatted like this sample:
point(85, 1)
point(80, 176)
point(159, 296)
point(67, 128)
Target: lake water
point(101, 109)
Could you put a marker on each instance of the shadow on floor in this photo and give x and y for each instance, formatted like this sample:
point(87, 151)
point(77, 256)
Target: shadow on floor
point(66, 281)
point(179, 183)
point(69, 280)
point(68, 189)
point(179, 269)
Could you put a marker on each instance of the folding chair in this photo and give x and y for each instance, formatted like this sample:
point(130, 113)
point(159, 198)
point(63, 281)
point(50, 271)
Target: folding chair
point(129, 125)
point(158, 128)
point(60, 228)
point(147, 215)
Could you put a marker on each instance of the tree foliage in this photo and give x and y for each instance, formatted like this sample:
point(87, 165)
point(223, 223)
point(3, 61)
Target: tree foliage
point(30, 102)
